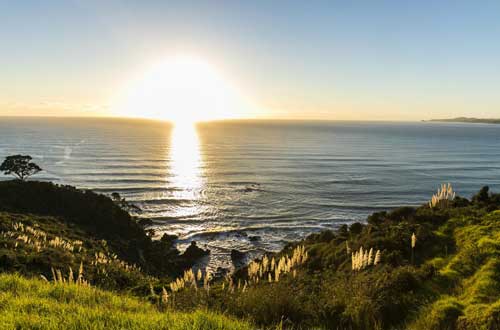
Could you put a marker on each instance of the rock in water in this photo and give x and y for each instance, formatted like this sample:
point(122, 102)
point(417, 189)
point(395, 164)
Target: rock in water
point(193, 252)
point(254, 238)
point(238, 258)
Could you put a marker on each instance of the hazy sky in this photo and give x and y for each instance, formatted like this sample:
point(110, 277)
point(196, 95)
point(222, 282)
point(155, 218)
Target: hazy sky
point(401, 60)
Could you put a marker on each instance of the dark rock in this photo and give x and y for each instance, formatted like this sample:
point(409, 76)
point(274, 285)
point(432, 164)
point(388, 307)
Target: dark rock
point(221, 272)
point(169, 238)
point(193, 252)
point(240, 234)
point(145, 222)
point(252, 187)
point(238, 258)
point(254, 238)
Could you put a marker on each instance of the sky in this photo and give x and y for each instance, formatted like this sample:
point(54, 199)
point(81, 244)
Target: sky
point(345, 60)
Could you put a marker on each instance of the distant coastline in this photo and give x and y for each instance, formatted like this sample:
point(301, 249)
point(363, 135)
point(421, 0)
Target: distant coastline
point(466, 120)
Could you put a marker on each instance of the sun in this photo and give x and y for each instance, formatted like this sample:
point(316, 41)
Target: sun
point(183, 90)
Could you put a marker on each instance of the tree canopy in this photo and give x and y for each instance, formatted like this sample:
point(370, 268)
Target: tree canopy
point(19, 166)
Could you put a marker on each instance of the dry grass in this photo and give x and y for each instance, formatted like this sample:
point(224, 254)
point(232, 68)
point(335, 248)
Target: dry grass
point(444, 195)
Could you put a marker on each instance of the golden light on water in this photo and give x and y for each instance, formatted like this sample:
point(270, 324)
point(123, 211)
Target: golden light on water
point(185, 162)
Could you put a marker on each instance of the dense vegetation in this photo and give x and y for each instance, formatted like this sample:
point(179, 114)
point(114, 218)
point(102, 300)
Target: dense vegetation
point(45, 229)
point(94, 216)
point(449, 280)
point(431, 267)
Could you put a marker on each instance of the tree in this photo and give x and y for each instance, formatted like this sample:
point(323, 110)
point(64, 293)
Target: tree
point(124, 204)
point(19, 166)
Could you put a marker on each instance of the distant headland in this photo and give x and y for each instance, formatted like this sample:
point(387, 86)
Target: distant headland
point(467, 120)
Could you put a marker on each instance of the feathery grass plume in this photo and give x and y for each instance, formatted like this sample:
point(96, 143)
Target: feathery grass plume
point(357, 262)
point(444, 195)
point(361, 254)
point(206, 280)
point(378, 256)
point(152, 290)
point(70, 276)
point(266, 268)
point(164, 296)
point(253, 270)
point(413, 243)
point(187, 278)
point(79, 280)
point(265, 263)
point(190, 278)
point(230, 283)
point(363, 258)
point(348, 249)
point(54, 277)
point(199, 275)
point(60, 278)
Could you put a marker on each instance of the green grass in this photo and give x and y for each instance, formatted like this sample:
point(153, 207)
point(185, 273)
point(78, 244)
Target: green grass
point(450, 280)
point(36, 304)
point(471, 277)
point(451, 283)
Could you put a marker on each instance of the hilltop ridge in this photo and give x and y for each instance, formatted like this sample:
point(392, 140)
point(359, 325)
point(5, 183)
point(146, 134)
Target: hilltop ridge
point(467, 120)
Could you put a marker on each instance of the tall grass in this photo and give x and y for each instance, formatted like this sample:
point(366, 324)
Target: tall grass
point(271, 270)
point(263, 270)
point(444, 195)
point(363, 258)
point(31, 239)
point(36, 304)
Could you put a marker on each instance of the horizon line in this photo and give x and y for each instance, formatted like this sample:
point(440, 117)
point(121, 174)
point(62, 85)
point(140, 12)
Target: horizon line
point(215, 120)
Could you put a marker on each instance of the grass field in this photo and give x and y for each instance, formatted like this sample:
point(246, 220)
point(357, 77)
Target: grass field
point(37, 304)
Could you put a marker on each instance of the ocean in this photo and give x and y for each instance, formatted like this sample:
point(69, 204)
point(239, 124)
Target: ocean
point(256, 185)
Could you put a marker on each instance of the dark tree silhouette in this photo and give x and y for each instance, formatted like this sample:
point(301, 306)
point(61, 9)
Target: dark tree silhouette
point(19, 166)
point(124, 204)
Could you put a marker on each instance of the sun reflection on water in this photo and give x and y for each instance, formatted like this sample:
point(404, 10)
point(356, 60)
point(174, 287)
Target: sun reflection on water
point(186, 163)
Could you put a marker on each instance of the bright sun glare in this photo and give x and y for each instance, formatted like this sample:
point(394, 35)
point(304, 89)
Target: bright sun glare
point(183, 90)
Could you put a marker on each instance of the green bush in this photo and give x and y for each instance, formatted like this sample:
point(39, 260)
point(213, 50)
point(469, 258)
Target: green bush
point(442, 315)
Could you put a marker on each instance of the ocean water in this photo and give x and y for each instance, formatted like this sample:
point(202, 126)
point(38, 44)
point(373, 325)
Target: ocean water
point(255, 185)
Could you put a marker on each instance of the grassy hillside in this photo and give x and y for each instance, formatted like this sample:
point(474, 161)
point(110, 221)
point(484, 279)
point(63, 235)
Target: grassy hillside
point(35, 304)
point(98, 217)
point(449, 280)
point(45, 226)
point(35, 245)
point(431, 267)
